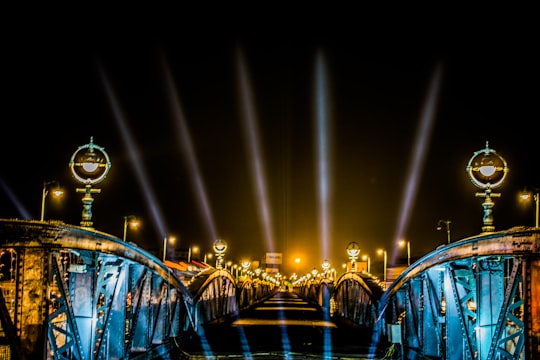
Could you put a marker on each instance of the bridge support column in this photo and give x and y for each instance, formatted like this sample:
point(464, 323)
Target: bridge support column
point(31, 288)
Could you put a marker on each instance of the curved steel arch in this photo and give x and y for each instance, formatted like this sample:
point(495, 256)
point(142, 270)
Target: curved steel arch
point(76, 293)
point(477, 298)
point(356, 298)
point(214, 295)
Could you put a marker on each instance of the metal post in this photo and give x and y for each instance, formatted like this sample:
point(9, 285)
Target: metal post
point(164, 248)
point(536, 200)
point(408, 253)
point(125, 228)
point(384, 266)
point(43, 196)
point(447, 226)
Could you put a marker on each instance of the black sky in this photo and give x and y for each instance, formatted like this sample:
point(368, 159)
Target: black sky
point(378, 75)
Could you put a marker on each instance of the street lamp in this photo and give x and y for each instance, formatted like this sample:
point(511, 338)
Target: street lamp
point(133, 223)
point(192, 251)
point(408, 244)
point(57, 193)
point(207, 256)
point(385, 259)
point(368, 259)
point(487, 170)
point(167, 239)
point(527, 195)
point(447, 226)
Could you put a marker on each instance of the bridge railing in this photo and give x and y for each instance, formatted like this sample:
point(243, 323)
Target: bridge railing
point(477, 298)
point(251, 291)
point(74, 293)
point(319, 292)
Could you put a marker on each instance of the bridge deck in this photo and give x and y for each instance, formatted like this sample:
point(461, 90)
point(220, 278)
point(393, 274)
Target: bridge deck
point(283, 326)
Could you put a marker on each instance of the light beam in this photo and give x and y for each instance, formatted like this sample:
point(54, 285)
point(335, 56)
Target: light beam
point(323, 153)
point(251, 131)
point(135, 157)
point(18, 205)
point(416, 161)
point(190, 157)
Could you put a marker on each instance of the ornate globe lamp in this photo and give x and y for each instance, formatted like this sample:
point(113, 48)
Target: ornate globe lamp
point(326, 268)
point(487, 170)
point(245, 265)
point(89, 165)
point(220, 246)
point(353, 250)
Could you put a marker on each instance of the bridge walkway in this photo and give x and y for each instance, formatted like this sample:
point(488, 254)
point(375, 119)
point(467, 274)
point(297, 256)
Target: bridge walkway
point(284, 326)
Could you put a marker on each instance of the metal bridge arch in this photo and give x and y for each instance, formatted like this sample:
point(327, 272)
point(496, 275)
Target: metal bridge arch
point(251, 291)
point(74, 293)
point(356, 298)
point(477, 298)
point(214, 295)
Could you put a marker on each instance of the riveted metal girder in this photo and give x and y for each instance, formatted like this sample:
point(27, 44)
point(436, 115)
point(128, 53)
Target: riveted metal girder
point(73, 293)
point(474, 299)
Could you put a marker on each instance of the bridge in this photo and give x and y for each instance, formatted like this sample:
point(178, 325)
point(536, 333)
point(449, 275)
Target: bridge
point(71, 292)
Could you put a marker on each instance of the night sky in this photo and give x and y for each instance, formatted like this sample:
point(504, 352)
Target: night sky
point(65, 81)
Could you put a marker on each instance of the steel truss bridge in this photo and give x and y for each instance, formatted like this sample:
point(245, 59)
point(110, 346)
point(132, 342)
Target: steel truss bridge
point(75, 293)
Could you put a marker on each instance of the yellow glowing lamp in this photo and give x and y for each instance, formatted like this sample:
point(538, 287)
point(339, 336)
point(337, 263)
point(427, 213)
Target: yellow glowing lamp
point(487, 169)
point(90, 163)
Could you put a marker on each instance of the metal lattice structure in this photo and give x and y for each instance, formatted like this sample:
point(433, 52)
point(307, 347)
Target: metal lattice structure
point(74, 293)
point(477, 298)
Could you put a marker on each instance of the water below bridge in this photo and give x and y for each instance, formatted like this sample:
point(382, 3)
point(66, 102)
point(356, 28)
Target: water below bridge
point(284, 326)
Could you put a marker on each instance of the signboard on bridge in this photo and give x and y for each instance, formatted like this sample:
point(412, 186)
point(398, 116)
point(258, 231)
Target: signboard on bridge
point(273, 258)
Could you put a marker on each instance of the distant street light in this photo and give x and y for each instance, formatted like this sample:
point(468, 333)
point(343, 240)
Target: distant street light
point(297, 261)
point(368, 259)
point(167, 239)
point(447, 226)
point(528, 195)
point(406, 243)
point(57, 192)
point(192, 251)
point(133, 223)
point(383, 252)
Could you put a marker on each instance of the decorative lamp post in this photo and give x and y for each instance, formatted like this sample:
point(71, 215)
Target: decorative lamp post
point(89, 165)
point(220, 246)
point(447, 226)
point(245, 265)
point(314, 273)
point(57, 193)
point(487, 170)
point(133, 223)
point(325, 267)
point(527, 195)
point(353, 250)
